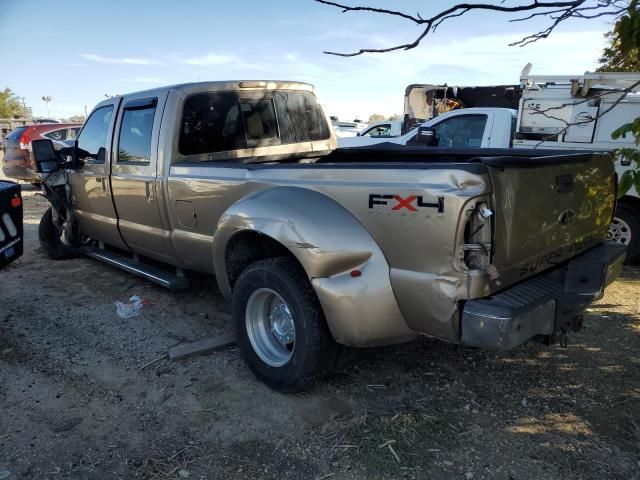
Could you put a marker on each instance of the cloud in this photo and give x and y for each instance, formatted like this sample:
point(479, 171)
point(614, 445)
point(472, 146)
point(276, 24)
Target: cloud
point(123, 61)
point(210, 59)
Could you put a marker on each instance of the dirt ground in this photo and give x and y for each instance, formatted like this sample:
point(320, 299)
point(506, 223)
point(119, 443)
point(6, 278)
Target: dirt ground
point(78, 402)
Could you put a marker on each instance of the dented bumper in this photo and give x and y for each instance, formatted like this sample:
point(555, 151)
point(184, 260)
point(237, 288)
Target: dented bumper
point(543, 304)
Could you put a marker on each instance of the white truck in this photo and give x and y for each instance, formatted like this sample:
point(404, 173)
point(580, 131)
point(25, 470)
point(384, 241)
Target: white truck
point(554, 112)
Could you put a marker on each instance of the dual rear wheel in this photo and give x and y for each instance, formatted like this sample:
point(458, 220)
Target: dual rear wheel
point(280, 327)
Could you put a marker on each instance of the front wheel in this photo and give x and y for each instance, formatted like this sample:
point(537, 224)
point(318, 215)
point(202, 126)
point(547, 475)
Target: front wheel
point(50, 234)
point(280, 326)
point(625, 229)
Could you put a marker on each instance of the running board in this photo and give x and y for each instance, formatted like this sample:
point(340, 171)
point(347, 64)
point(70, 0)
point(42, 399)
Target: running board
point(148, 272)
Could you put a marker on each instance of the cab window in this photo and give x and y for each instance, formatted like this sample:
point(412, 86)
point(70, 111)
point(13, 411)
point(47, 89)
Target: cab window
point(300, 117)
point(60, 134)
point(463, 131)
point(134, 142)
point(94, 134)
point(73, 133)
point(379, 131)
point(223, 121)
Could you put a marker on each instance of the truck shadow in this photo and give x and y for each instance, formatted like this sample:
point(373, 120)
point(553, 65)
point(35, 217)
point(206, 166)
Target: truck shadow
point(559, 410)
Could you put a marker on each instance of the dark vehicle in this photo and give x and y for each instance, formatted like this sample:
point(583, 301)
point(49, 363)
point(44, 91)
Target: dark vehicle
point(18, 160)
point(10, 223)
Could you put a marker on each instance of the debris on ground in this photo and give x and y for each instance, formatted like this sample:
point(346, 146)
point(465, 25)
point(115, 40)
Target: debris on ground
point(133, 308)
point(201, 347)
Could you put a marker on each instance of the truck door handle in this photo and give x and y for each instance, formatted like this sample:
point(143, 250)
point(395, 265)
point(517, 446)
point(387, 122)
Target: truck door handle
point(101, 181)
point(565, 183)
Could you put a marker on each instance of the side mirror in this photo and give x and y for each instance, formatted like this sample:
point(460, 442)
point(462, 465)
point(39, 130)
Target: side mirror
point(427, 137)
point(46, 158)
point(102, 155)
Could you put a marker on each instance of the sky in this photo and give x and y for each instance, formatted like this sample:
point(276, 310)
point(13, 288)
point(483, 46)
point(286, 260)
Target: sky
point(78, 51)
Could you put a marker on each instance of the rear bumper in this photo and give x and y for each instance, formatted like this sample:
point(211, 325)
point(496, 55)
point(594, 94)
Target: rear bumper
point(541, 305)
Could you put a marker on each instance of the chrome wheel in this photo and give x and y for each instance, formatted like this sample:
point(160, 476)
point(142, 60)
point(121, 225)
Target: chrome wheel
point(270, 327)
point(619, 231)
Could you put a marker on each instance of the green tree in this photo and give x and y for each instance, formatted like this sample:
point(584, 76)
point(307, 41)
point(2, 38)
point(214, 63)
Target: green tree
point(376, 117)
point(615, 59)
point(10, 105)
point(626, 37)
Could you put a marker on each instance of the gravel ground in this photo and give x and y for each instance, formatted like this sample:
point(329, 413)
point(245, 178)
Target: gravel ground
point(78, 401)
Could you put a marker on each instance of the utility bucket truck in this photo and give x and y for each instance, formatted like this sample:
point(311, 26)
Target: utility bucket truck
point(559, 112)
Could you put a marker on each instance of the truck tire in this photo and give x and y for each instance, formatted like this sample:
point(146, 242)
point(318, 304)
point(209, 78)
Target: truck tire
point(280, 326)
point(625, 229)
point(50, 240)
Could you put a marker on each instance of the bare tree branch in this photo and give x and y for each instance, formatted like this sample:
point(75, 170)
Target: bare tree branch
point(546, 32)
point(556, 11)
point(346, 8)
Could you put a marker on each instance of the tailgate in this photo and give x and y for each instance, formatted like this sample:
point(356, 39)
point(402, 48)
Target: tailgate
point(550, 211)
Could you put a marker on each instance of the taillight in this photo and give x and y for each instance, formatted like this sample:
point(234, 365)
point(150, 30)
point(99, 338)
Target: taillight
point(24, 141)
point(478, 238)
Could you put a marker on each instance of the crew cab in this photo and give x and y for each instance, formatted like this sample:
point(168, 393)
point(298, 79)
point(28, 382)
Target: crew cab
point(319, 248)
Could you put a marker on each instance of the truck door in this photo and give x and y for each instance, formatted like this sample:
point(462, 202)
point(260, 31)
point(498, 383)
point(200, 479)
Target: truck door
point(90, 183)
point(134, 175)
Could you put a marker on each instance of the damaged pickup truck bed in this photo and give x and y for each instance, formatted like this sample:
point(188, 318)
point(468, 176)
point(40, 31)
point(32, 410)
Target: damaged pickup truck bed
point(318, 248)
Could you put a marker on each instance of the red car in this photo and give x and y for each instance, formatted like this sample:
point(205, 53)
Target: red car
point(18, 161)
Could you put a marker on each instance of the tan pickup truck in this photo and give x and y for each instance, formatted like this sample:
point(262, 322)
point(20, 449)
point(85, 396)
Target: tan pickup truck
point(318, 248)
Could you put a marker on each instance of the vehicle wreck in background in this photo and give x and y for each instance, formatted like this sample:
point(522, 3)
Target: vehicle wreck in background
point(18, 162)
point(317, 248)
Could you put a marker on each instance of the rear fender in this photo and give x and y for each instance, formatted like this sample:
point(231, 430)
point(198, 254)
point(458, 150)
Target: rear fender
point(329, 243)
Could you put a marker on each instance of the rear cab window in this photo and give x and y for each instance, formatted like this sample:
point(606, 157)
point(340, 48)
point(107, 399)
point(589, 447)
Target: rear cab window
point(223, 121)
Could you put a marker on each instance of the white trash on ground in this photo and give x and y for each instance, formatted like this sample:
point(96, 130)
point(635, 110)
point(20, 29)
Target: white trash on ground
point(131, 309)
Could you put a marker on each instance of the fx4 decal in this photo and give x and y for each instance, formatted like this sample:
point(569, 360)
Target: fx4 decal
point(411, 203)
